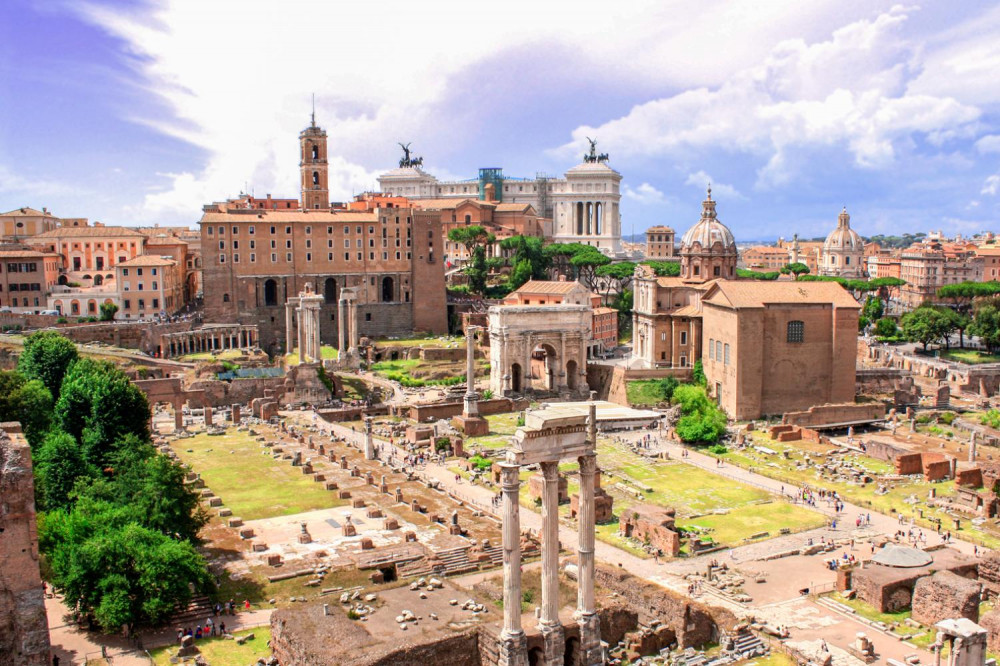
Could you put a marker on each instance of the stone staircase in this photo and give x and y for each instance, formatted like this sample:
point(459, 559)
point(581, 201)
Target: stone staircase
point(496, 555)
point(748, 645)
point(194, 613)
point(454, 561)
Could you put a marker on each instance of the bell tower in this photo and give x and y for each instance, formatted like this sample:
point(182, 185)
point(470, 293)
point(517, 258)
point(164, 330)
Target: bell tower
point(313, 165)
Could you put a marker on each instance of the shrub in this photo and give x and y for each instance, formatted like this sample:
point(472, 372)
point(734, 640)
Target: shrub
point(947, 418)
point(991, 418)
point(668, 385)
point(442, 443)
point(718, 449)
point(520, 419)
point(481, 463)
point(698, 373)
point(353, 615)
point(487, 394)
point(62, 320)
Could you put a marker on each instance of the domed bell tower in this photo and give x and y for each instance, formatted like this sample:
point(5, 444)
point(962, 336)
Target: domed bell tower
point(313, 165)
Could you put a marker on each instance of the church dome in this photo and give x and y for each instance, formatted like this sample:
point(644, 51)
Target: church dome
point(843, 238)
point(709, 230)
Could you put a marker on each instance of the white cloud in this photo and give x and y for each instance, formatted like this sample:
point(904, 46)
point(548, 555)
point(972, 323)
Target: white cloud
point(989, 144)
point(702, 180)
point(849, 90)
point(236, 75)
point(991, 186)
point(645, 194)
point(14, 183)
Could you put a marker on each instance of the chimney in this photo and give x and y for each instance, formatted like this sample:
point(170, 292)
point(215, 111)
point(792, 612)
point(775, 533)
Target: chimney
point(562, 278)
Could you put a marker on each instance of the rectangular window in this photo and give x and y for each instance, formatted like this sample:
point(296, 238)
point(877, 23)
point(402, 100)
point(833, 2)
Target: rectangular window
point(142, 304)
point(288, 256)
point(288, 244)
point(211, 231)
point(125, 272)
point(155, 287)
point(222, 258)
point(663, 337)
point(274, 257)
point(347, 242)
point(236, 231)
point(711, 349)
point(684, 337)
point(156, 303)
point(128, 302)
point(236, 245)
point(236, 260)
point(309, 256)
point(250, 230)
point(726, 361)
point(253, 257)
point(288, 231)
point(718, 350)
point(347, 256)
point(253, 244)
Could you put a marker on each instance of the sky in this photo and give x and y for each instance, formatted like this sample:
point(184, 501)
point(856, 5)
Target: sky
point(140, 112)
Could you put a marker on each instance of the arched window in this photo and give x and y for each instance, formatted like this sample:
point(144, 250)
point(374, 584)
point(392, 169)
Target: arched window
point(315, 151)
point(796, 331)
point(270, 293)
point(98, 280)
point(330, 291)
point(387, 290)
point(315, 177)
point(225, 298)
point(468, 219)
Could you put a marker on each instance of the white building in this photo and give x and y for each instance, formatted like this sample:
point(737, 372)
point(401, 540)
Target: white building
point(583, 206)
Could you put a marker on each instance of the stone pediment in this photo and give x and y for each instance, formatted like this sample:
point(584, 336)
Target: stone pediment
point(550, 436)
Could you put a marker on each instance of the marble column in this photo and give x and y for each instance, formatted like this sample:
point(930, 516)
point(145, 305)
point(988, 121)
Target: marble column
point(289, 326)
point(586, 615)
point(529, 347)
point(302, 334)
point(342, 326)
point(355, 337)
point(369, 443)
point(553, 640)
point(513, 645)
point(471, 407)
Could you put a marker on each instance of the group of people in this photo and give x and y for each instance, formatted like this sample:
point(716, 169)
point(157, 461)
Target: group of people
point(208, 630)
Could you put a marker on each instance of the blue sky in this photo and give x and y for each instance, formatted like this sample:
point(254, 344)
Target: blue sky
point(140, 112)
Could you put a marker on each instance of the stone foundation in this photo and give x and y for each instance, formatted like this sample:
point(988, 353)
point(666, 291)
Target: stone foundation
point(943, 596)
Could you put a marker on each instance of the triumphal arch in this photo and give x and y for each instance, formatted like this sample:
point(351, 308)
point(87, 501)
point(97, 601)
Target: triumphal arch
point(539, 349)
point(549, 436)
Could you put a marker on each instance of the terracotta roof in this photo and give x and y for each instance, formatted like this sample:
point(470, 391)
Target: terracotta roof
point(278, 216)
point(548, 287)
point(148, 260)
point(757, 294)
point(767, 249)
point(681, 282)
point(82, 232)
point(447, 204)
point(691, 310)
point(603, 310)
point(165, 240)
point(513, 207)
point(25, 212)
point(25, 253)
point(660, 230)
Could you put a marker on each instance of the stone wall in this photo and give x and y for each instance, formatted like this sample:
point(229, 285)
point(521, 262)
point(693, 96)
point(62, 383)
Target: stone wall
point(943, 596)
point(24, 629)
point(694, 623)
point(652, 525)
point(991, 623)
point(848, 412)
point(989, 572)
point(446, 410)
point(239, 391)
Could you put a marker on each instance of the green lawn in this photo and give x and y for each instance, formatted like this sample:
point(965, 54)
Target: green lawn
point(325, 351)
point(222, 651)
point(644, 392)
point(502, 426)
point(221, 355)
point(422, 342)
point(969, 356)
point(249, 482)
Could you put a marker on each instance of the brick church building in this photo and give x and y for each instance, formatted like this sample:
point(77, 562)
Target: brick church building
point(256, 257)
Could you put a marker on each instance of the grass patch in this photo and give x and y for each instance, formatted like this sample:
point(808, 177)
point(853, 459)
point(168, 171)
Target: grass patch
point(869, 612)
point(221, 355)
point(775, 658)
point(425, 342)
point(354, 387)
point(644, 392)
point(252, 484)
point(502, 426)
point(415, 373)
point(970, 356)
point(326, 352)
point(224, 652)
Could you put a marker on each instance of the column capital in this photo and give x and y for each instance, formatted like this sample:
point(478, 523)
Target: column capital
point(588, 464)
point(550, 470)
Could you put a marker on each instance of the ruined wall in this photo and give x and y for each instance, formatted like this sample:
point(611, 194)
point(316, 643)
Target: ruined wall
point(943, 596)
point(847, 412)
point(239, 391)
point(446, 410)
point(694, 623)
point(24, 629)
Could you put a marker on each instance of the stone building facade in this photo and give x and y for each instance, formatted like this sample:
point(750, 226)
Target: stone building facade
point(26, 276)
point(20, 223)
point(931, 264)
point(256, 259)
point(773, 347)
point(660, 243)
point(583, 205)
point(24, 628)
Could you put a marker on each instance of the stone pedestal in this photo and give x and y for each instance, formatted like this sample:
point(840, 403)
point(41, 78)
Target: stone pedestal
point(513, 646)
point(208, 416)
point(236, 415)
point(471, 426)
point(591, 653)
point(369, 440)
point(553, 643)
point(513, 649)
point(307, 387)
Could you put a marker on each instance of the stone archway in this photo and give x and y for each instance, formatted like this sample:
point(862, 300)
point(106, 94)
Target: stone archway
point(515, 377)
point(545, 366)
point(572, 655)
point(572, 370)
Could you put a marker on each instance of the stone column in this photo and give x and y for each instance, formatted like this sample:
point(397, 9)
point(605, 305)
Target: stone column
point(526, 379)
point(302, 334)
point(471, 407)
point(342, 326)
point(317, 341)
point(354, 325)
point(513, 646)
point(972, 446)
point(553, 640)
point(178, 416)
point(289, 325)
point(586, 615)
point(369, 444)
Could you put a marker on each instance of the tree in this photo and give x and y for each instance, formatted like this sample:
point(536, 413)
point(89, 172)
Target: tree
point(886, 328)
point(959, 322)
point(872, 309)
point(797, 268)
point(58, 465)
point(520, 274)
point(27, 401)
point(925, 325)
point(701, 421)
point(47, 356)
point(99, 407)
point(108, 311)
point(698, 373)
point(120, 573)
point(586, 262)
point(756, 275)
point(475, 238)
point(528, 249)
point(664, 268)
point(615, 278)
point(986, 326)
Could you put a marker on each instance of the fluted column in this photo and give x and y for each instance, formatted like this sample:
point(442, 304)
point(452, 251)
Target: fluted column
point(586, 615)
point(342, 326)
point(317, 342)
point(289, 326)
point(529, 346)
point(513, 647)
point(354, 324)
point(369, 443)
point(548, 624)
point(471, 407)
point(302, 335)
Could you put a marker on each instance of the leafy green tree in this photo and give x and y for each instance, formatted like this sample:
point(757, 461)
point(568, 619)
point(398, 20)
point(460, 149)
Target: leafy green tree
point(615, 278)
point(120, 573)
point(47, 356)
point(925, 325)
point(886, 328)
point(986, 326)
point(27, 401)
point(664, 268)
point(528, 249)
point(59, 464)
point(756, 275)
point(586, 262)
point(873, 308)
point(475, 238)
point(962, 295)
point(698, 373)
point(796, 268)
point(701, 419)
point(99, 407)
point(521, 274)
point(108, 311)
point(958, 321)
point(667, 387)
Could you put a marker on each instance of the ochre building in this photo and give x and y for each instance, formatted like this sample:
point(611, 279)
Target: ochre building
point(391, 257)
